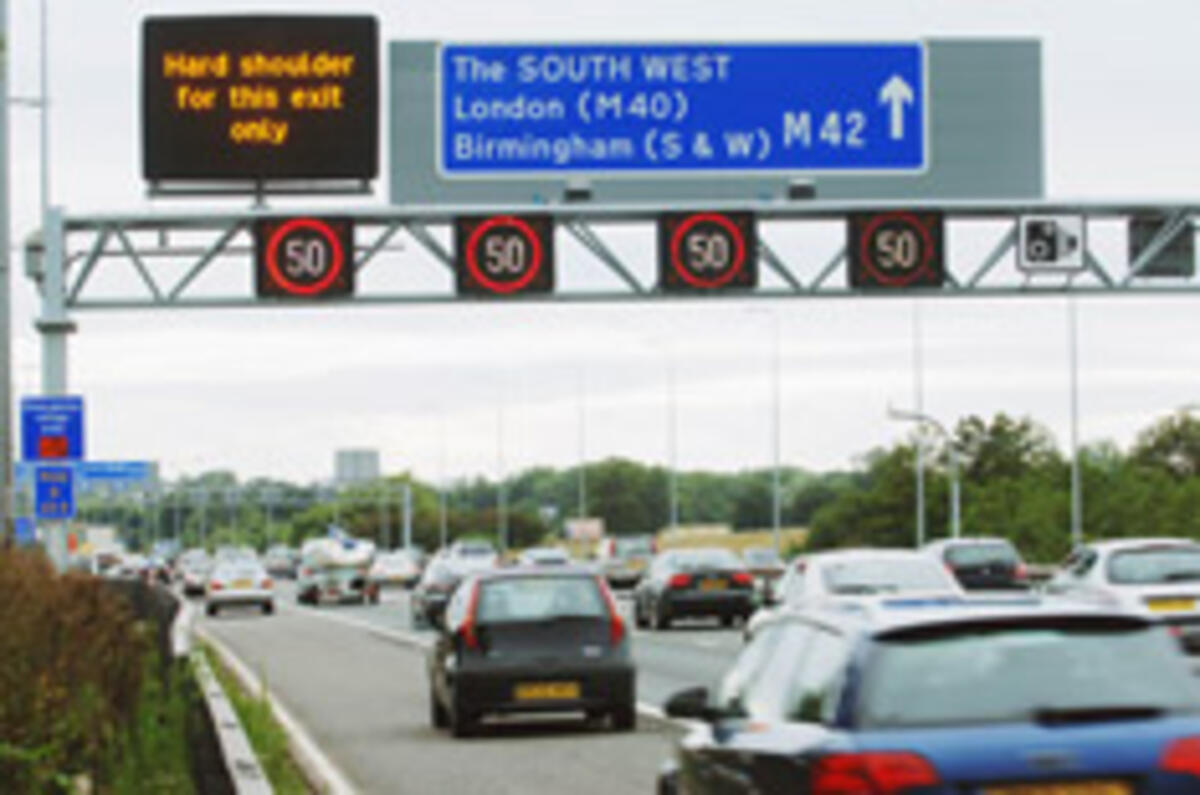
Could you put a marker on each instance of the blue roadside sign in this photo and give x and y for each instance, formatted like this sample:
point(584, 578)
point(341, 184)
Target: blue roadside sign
point(25, 530)
point(54, 492)
point(52, 428)
point(815, 108)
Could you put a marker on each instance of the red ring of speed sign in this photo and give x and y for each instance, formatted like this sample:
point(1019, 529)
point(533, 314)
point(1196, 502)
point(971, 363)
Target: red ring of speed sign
point(335, 248)
point(535, 263)
point(868, 234)
point(735, 234)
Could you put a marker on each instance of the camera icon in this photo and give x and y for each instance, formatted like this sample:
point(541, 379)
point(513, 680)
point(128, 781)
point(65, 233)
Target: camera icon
point(1051, 243)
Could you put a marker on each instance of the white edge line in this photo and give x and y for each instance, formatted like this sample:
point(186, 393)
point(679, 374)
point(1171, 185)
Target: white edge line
point(319, 768)
point(414, 641)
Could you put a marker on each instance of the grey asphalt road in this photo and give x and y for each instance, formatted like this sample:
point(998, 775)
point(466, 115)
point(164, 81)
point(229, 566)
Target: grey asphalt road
point(364, 699)
point(690, 653)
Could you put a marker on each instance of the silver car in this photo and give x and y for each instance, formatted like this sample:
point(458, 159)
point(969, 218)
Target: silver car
point(239, 581)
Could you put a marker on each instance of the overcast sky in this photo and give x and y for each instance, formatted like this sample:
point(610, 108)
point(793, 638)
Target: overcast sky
point(276, 392)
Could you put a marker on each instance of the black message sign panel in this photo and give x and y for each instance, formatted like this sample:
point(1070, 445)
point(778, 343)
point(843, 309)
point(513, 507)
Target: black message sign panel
point(304, 257)
point(501, 255)
point(707, 252)
point(260, 98)
point(896, 249)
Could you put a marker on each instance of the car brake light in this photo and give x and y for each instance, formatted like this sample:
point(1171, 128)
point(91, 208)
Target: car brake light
point(653, 546)
point(616, 624)
point(214, 586)
point(679, 581)
point(469, 635)
point(742, 578)
point(1175, 630)
point(266, 584)
point(305, 571)
point(1183, 757)
point(1021, 572)
point(872, 773)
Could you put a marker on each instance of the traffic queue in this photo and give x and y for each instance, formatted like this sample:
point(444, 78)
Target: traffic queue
point(876, 671)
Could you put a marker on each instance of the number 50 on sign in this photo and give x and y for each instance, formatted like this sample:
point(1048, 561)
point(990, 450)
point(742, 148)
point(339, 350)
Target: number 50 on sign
point(896, 249)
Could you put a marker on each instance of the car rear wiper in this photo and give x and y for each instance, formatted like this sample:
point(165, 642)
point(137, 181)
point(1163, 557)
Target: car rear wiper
point(855, 590)
point(1057, 716)
point(1180, 576)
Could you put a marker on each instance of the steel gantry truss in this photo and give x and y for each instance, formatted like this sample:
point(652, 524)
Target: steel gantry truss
point(801, 253)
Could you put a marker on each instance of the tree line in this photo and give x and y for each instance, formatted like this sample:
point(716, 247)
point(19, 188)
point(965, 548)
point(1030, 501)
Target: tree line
point(1015, 483)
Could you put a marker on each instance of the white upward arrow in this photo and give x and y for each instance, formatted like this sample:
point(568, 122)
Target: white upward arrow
point(897, 93)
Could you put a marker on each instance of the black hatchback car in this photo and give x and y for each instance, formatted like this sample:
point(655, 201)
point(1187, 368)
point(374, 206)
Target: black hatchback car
point(689, 583)
point(531, 640)
point(981, 564)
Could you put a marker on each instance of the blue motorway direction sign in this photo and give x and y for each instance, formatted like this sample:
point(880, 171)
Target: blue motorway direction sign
point(25, 530)
point(52, 428)
point(848, 108)
point(54, 492)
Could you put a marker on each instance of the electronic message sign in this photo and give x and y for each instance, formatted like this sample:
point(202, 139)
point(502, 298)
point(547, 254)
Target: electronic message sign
point(896, 249)
point(502, 255)
point(707, 251)
point(260, 98)
point(304, 257)
point(52, 428)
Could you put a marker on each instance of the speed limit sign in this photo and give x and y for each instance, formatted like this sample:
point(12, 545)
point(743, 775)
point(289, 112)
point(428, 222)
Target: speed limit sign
point(896, 249)
point(504, 254)
point(707, 251)
point(304, 257)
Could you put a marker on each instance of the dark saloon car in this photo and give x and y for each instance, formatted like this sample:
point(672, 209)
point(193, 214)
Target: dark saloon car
point(433, 591)
point(1013, 700)
point(981, 564)
point(690, 583)
point(531, 640)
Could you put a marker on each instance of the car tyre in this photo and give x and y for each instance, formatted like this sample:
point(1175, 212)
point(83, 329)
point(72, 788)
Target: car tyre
point(211, 610)
point(662, 621)
point(437, 713)
point(727, 620)
point(624, 718)
point(463, 723)
point(268, 608)
point(639, 617)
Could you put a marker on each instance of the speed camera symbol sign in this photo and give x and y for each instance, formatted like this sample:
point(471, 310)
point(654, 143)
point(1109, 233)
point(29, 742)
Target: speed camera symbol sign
point(504, 254)
point(896, 250)
point(304, 257)
point(707, 251)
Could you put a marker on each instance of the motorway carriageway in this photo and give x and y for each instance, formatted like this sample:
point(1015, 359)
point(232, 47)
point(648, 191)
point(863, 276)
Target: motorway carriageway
point(354, 677)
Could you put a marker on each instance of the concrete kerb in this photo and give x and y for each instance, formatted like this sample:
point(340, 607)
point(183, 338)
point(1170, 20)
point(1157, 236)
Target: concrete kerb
point(320, 771)
point(646, 711)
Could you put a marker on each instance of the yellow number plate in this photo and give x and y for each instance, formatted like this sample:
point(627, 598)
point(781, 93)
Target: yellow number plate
point(712, 585)
point(1064, 788)
point(1170, 605)
point(243, 583)
point(546, 691)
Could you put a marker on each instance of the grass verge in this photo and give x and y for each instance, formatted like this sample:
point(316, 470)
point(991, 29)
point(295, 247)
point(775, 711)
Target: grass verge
point(266, 736)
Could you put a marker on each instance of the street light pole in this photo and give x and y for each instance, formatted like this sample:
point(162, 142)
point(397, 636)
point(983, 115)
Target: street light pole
point(776, 440)
point(955, 466)
point(672, 442)
point(582, 423)
point(1076, 482)
point(919, 397)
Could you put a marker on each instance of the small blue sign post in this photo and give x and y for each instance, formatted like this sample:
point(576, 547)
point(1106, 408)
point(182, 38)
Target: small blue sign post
point(52, 428)
point(25, 530)
point(508, 110)
point(54, 492)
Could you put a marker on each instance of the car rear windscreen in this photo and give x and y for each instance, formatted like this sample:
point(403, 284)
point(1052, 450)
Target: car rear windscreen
point(885, 576)
point(762, 557)
point(969, 555)
point(1017, 673)
point(539, 599)
point(702, 559)
point(1155, 565)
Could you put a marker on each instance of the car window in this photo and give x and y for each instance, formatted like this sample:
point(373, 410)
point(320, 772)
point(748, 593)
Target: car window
point(539, 599)
point(1084, 562)
point(884, 575)
point(1155, 565)
point(761, 557)
point(817, 681)
point(1013, 673)
point(768, 693)
point(982, 554)
point(734, 693)
point(697, 559)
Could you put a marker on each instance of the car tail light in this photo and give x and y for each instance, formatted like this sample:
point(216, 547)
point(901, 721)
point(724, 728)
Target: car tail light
point(469, 635)
point(616, 624)
point(653, 546)
point(305, 571)
point(872, 773)
point(1021, 572)
point(680, 581)
point(266, 584)
point(215, 586)
point(1175, 630)
point(742, 578)
point(1183, 757)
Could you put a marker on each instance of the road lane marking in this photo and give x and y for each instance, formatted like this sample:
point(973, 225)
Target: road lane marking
point(330, 779)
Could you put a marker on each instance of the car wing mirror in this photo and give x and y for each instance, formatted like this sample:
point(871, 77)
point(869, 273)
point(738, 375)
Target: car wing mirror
point(691, 704)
